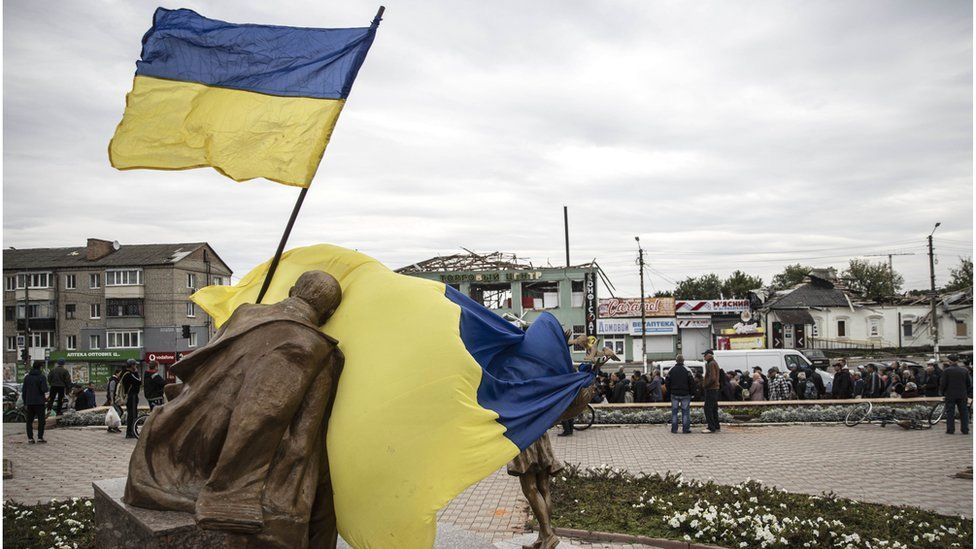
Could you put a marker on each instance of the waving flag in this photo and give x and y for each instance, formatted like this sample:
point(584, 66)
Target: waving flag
point(437, 392)
point(248, 100)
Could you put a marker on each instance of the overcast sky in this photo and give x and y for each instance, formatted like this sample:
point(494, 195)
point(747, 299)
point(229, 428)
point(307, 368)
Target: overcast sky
point(728, 135)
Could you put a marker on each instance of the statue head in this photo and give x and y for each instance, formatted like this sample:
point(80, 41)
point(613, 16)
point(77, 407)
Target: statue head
point(320, 290)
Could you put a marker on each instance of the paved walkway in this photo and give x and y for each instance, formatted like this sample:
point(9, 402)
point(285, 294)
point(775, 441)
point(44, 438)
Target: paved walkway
point(807, 459)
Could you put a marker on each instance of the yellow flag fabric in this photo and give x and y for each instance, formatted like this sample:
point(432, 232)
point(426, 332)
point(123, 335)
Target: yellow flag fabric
point(176, 125)
point(407, 432)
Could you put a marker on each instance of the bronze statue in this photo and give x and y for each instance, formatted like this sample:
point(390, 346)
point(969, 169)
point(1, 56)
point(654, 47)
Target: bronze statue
point(243, 443)
point(535, 467)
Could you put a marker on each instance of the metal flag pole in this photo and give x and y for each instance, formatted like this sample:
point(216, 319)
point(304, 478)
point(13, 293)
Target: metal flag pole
point(294, 211)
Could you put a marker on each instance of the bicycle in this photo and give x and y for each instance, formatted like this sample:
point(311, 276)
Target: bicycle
point(937, 413)
point(862, 412)
point(140, 421)
point(585, 419)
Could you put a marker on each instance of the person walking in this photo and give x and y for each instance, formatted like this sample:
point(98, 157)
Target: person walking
point(59, 380)
point(34, 392)
point(843, 384)
point(680, 385)
point(757, 391)
point(131, 382)
point(711, 393)
point(956, 387)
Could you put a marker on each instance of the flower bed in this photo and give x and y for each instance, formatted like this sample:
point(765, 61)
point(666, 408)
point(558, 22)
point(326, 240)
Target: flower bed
point(766, 414)
point(59, 524)
point(742, 516)
point(85, 418)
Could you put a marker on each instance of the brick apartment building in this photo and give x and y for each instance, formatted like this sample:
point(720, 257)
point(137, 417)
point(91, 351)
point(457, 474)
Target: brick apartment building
point(98, 305)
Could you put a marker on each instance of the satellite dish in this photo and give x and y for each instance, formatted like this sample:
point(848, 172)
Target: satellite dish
point(746, 316)
point(116, 245)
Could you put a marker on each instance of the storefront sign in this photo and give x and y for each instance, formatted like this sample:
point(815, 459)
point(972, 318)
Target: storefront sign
point(714, 306)
point(610, 326)
point(589, 302)
point(695, 322)
point(105, 355)
point(489, 277)
point(742, 343)
point(630, 307)
point(162, 357)
point(657, 326)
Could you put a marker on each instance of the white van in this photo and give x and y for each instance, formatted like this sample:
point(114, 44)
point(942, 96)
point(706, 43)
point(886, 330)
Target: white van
point(782, 359)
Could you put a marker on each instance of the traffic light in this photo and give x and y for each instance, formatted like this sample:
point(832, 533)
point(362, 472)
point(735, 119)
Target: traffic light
point(25, 355)
point(186, 331)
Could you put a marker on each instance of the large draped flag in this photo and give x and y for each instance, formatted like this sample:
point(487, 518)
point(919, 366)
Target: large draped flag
point(249, 100)
point(437, 391)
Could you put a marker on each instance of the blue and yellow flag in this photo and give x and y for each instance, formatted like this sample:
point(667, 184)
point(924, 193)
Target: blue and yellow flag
point(249, 100)
point(437, 391)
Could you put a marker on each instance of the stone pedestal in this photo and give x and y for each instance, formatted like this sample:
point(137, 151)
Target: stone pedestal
point(121, 525)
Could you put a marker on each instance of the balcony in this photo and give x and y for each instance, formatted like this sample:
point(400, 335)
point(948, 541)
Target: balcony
point(125, 322)
point(124, 292)
point(35, 294)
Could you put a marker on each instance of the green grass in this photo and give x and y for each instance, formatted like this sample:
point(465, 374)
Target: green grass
point(59, 524)
point(746, 515)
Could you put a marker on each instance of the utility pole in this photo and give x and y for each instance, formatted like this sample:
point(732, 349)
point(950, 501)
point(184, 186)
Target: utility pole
point(566, 228)
point(640, 260)
point(933, 296)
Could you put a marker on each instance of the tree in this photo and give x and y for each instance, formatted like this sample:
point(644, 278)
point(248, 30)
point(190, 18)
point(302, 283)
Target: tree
point(703, 287)
point(738, 285)
point(961, 278)
point(664, 293)
point(791, 276)
point(872, 280)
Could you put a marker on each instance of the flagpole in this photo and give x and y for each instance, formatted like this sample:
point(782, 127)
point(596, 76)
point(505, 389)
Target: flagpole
point(294, 211)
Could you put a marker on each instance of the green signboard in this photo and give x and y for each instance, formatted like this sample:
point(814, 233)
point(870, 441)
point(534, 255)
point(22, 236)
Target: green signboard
point(102, 355)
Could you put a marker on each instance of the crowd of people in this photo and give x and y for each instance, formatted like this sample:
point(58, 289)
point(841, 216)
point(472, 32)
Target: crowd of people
point(55, 392)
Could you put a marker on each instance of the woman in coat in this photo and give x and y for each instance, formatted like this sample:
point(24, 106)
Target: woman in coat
point(756, 389)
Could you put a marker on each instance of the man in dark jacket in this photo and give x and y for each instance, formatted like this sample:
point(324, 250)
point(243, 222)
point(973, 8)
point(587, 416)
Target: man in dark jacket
point(873, 386)
point(843, 385)
point(620, 388)
point(59, 380)
point(639, 383)
point(654, 387)
point(956, 387)
point(34, 393)
point(932, 379)
point(86, 399)
point(131, 382)
point(680, 386)
point(152, 386)
point(711, 393)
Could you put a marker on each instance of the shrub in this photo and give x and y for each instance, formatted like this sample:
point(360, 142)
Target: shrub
point(58, 524)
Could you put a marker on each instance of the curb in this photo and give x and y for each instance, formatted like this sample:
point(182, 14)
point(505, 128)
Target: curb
point(590, 535)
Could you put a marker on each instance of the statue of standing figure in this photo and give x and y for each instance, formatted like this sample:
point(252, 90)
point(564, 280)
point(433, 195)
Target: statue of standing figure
point(242, 444)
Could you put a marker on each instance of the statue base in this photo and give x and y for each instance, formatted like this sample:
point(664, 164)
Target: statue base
point(118, 525)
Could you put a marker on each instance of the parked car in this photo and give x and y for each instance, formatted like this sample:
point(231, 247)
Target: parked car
point(767, 359)
point(817, 358)
point(694, 366)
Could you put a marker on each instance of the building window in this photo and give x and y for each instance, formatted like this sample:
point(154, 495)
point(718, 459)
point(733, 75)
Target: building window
point(493, 296)
point(123, 307)
point(8, 312)
point(124, 340)
point(11, 343)
point(191, 309)
point(70, 282)
point(42, 339)
point(95, 310)
point(127, 277)
point(908, 327)
point(34, 310)
point(94, 342)
point(69, 310)
point(11, 283)
point(540, 295)
point(874, 327)
point(841, 328)
point(815, 329)
point(34, 280)
point(578, 293)
point(71, 342)
point(94, 281)
point(616, 344)
point(191, 280)
point(578, 330)
point(962, 330)
point(217, 280)
point(193, 340)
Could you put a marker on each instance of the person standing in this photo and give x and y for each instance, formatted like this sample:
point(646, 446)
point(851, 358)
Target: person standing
point(711, 393)
point(131, 382)
point(654, 387)
point(34, 392)
point(59, 380)
point(639, 382)
point(757, 388)
point(873, 386)
point(680, 386)
point(858, 385)
point(843, 385)
point(932, 375)
point(153, 384)
point(765, 381)
point(956, 387)
point(780, 387)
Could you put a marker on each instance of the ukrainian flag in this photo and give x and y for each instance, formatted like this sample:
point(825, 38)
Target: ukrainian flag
point(437, 391)
point(248, 100)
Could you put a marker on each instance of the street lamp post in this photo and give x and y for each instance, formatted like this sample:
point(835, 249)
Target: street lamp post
point(640, 260)
point(933, 296)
